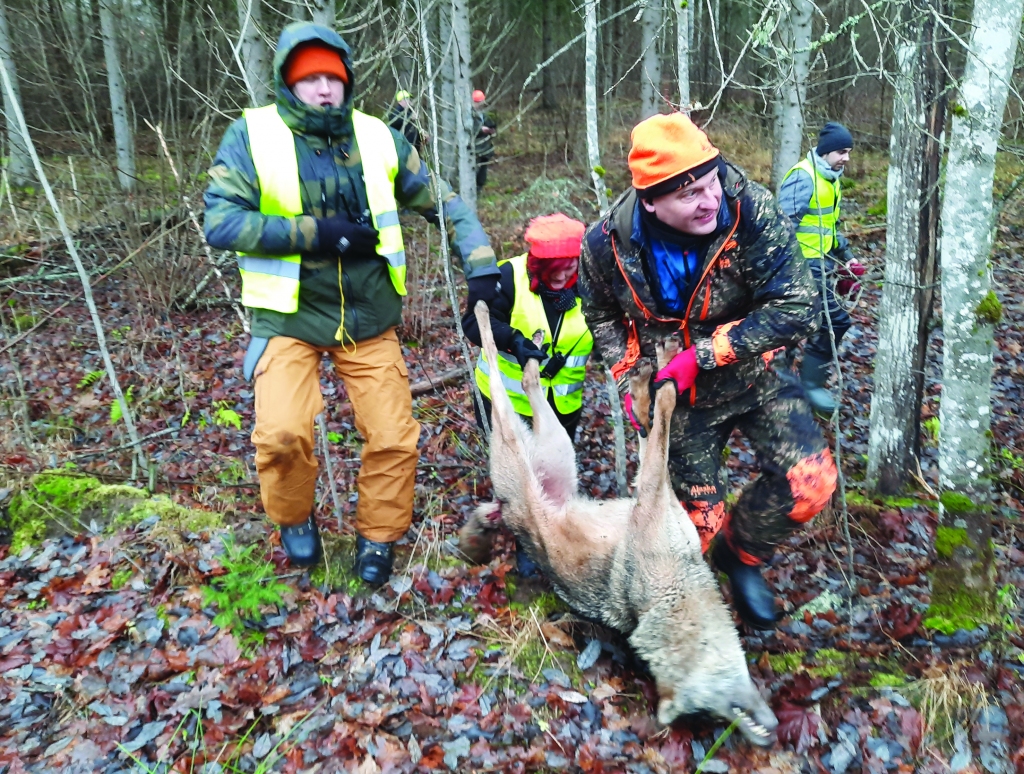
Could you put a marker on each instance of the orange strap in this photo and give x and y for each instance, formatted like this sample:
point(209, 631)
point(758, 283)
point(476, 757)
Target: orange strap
point(632, 351)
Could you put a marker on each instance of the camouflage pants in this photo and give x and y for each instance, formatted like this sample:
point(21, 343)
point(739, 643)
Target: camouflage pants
point(797, 477)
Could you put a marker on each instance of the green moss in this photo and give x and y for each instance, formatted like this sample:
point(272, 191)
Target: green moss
point(829, 662)
point(544, 605)
point(786, 663)
point(989, 310)
point(61, 502)
point(535, 656)
point(954, 502)
point(955, 608)
point(947, 539)
point(120, 579)
point(883, 680)
point(880, 208)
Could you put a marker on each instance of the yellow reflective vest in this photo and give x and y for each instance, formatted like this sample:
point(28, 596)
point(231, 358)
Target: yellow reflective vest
point(816, 232)
point(574, 341)
point(272, 282)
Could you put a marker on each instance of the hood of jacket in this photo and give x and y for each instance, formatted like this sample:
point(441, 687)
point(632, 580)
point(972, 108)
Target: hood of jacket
point(300, 117)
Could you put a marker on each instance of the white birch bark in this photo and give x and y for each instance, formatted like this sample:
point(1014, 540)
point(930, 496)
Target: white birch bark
point(964, 410)
point(684, 38)
point(590, 93)
point(253, 52)
point(650, 67)
point(448, 147)
point(792, 93)
point(123, 136)
point(18, 163)
point(464, 139)
point(891, 435)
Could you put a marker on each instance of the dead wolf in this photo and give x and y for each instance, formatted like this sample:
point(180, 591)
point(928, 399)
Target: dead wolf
point(634, 564)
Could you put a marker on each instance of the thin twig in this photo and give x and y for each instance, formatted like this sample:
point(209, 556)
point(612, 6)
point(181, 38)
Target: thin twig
point(321, 424)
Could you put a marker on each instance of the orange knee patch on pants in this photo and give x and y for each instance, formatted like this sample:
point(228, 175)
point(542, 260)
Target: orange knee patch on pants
point(811, 481)
point(707, 517)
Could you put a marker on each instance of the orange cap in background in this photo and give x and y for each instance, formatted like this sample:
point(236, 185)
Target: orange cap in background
point(554, 236)
point(667, 146)
point(313, 59)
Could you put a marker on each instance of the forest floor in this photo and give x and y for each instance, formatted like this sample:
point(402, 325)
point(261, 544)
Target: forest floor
point(168, 633)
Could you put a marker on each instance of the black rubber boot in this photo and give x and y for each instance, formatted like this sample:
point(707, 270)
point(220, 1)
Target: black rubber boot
point(813, 374)
point(751, 596)
point(525, 566)
point(302, 543)
point(373, 560)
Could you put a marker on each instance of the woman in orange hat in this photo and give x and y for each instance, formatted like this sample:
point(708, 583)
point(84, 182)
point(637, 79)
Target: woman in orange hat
point(538, 297)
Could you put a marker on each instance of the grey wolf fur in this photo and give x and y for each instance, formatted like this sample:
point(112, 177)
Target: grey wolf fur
point(632, 563)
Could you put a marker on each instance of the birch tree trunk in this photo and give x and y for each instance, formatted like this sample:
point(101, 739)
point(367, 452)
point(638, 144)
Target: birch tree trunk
point(255, 58)
point(964, 580)
point(684, 37)
point(650, 69)
point(792, 93)
point(590, 93)
point(891, 436)
point(446, 136)
point(905, 310)
point(550, 95)
point(123, 138)
point(465, 141)
point(19, 165)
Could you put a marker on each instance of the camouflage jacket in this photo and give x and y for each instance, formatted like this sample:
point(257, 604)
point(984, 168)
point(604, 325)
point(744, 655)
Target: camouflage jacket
point(330, 172)
point(754, 298)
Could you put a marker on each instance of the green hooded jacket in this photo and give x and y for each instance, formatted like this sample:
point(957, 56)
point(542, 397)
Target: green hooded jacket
point(331, 181)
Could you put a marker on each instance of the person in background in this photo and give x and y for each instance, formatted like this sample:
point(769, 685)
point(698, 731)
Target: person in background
point(811, 194)
point(402, 117)
point(306, 190)
point(538, 292)
point(484, 129)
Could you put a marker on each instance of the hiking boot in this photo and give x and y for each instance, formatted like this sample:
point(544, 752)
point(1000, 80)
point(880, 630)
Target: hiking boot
point(525, 566)
point(301, 543)
point(813, 375)
point(751, 596)
point(373, 560)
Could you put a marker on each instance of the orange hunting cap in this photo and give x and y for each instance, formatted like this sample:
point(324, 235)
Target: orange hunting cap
point(554, 236)
point(668, 152)
point(313, 59)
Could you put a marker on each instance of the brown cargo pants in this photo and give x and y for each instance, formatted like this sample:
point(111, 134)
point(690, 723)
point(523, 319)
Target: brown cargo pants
point(287, 401)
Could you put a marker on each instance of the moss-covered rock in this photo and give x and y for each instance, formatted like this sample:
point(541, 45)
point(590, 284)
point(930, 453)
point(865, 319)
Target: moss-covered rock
point(956, 605)
point(61, 502)
point(955, 502)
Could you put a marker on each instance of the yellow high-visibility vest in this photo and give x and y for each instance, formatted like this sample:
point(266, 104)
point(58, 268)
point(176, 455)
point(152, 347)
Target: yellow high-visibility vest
point(272, 282)
point(574, 341)
point(816, 232)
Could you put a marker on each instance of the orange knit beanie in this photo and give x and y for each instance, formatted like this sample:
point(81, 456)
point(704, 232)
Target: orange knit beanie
point(666, 147)
point(554, 236)
point(313, 59)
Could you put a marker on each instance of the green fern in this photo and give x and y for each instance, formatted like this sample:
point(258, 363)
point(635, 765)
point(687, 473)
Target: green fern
point(248, 585)
point(90, 379)
point(115, 407)
point(225, 417)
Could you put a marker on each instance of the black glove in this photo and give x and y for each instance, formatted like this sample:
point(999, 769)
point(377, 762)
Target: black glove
point(523, 349)
point(483, 288)
point(340, 234)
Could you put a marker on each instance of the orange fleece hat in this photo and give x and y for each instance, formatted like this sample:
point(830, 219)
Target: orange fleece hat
point(554, 236)
point(313, 59)
point(665, 147)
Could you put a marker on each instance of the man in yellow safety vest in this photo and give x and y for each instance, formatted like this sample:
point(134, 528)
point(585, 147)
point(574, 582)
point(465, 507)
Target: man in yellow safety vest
point(307, 192)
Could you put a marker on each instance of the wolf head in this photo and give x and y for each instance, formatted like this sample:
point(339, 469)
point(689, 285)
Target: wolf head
point(695, 657)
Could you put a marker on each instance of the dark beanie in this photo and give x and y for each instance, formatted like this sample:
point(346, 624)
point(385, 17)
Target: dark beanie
point(832, 137)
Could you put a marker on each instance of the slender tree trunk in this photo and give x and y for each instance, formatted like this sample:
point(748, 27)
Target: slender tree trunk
point(253, 51)
point(905, 310)
point(19, 165)
point(684, 37)
point(890, 439)
point(650, 68)
point(550, 94)
point(792, 93)
point(448, 149)
point(324, 12)
point(590, 92)
point(465, 141)
point(123, 138)
point(964, 579)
